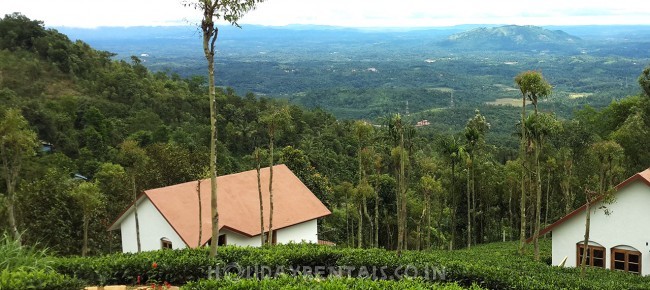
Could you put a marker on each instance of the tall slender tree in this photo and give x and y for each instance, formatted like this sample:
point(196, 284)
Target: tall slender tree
point(475, 131)
point(532, 86)
point(538, 128)
point(17, 143)
point(275, 120)
point(257, 156)
point(230, 11)
point(453, 151)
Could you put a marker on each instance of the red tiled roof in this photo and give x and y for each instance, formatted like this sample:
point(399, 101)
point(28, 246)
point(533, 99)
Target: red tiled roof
point(643, 176)
point(238, 204)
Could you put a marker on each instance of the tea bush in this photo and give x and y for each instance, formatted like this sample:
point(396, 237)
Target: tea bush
point(492, 266)
point(301, 282)
point(36, 279)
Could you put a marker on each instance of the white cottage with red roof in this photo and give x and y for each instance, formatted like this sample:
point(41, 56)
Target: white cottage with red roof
point(168, 216)
point(618, 241)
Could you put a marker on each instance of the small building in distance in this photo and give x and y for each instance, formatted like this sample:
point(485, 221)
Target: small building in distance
point(422, 123)
point(169, 216)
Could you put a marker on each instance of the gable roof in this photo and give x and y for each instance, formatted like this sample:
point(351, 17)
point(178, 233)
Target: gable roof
point(643, 176)
point(237, 202)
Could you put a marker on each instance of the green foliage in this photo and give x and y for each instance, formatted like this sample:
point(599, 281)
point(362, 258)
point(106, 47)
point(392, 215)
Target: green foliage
point(533, 85)
point(644, 81)
point(176, 267)
point(304, 282)
point(491, 266)
point(37, 279)
point(14, 256)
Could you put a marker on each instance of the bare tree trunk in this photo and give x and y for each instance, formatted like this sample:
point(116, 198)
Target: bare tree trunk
point(376, 219)
point(585, 244)
point(367, 215)
point(511, 222)
point(469, 212)
point(270, 237)
point(522, 155)
point(359, 228)
point(453, 206)
point(198, 193)
point(538, 205)
point(135, 209)
point(259, 191)
point(11, 177)
point(84, 249)
point(210, 35)
point(347, 220)
point(548, 194)
point(12, 218)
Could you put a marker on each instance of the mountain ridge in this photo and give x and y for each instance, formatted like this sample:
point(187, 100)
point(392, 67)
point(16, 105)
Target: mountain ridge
point(512, 37)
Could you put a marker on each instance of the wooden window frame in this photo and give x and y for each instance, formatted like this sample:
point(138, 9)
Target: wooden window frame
point(590, 255)
point(166, 244)
point(626, 260)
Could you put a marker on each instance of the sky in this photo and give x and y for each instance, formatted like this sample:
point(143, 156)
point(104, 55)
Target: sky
point(349, 13)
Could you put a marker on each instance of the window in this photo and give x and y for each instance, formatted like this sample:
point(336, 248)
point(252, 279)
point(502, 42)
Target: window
point(626, 260)
point(165, 244)
point(222, 240)
point(595, 255)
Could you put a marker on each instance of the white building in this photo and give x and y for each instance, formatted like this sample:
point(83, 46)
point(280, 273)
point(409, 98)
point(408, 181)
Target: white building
point(169, 216)
point(618, 240)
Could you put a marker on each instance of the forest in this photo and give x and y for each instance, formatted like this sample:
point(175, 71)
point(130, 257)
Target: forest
point(80, 127)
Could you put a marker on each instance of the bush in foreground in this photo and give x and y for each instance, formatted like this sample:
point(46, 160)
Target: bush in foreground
point(302, 282)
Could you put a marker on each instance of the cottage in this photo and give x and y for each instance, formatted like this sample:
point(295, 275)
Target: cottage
point(169, 216)
point(616, 241)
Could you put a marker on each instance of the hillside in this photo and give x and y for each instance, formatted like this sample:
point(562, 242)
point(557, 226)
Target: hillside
point(97, 114)
point(513, 37)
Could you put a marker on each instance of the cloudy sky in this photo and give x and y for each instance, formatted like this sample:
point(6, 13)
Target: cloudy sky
point(354, 13)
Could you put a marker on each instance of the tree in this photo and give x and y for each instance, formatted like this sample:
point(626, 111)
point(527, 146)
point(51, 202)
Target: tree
point(605, 156)
point(538, 128)
point(360, 193)
point(363, 133)
point(17, 142)
point(396, 130)
point(532, 85)
point(274, 120)
point(134, 159)
point(453, 152)
point(90, 198)
point(475, 131)
point(644, 81)
point(231, 11)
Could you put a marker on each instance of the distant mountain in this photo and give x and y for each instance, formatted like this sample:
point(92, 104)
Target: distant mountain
point(512, 37)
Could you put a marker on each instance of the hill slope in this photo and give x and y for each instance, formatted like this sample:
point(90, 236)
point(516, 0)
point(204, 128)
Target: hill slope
point(512, 37)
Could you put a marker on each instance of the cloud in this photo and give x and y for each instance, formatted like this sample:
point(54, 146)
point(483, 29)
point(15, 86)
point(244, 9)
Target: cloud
point(92, 13)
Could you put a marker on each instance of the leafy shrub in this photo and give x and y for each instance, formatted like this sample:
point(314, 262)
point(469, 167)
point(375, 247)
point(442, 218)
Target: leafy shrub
point(36, 279)
point(492, 266)
point(302, 282)
point(176, 267)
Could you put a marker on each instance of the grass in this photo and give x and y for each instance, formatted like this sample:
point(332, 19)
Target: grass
point(15, 256)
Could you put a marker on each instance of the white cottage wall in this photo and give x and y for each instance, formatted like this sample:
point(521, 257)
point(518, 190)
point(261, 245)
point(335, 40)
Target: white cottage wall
point(303, 232)
point(153, 227)
point(624, 227)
